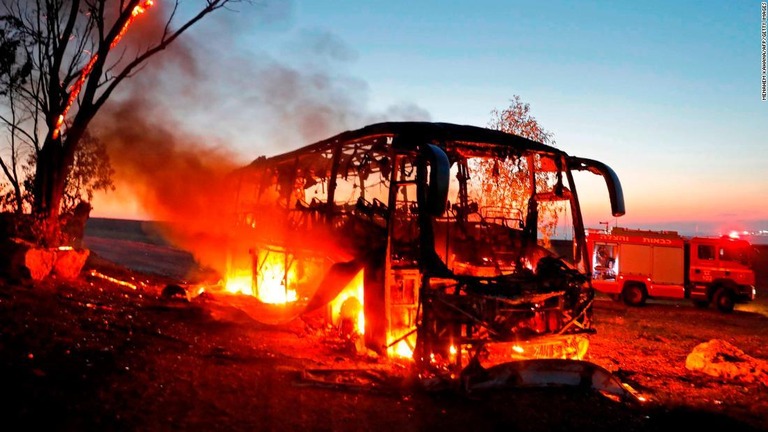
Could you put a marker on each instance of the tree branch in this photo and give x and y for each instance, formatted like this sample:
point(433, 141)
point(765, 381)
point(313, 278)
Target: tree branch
point(166, 40)
point(59, 49)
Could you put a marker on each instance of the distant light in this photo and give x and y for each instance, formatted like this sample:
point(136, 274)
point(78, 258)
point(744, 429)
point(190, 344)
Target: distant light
point(734, 234)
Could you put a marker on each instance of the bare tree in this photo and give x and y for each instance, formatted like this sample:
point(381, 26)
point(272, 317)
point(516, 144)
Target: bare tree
point(15, 69)
point(13, 167)
point(517, 119)
point(71, 63)
point(510, 178)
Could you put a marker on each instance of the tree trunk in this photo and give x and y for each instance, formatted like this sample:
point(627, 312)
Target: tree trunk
point(48, 190)
point(54, 163)
point(19, 199)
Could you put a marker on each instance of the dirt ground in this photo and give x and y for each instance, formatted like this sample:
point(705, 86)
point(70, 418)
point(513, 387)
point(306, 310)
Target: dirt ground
point(94, 355)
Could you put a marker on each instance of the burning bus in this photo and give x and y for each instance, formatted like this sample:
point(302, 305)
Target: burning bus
point(431, 241)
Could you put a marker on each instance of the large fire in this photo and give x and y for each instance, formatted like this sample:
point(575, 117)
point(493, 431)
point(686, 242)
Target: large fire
point(402, 349)
point(240, 283)
point(274, 279)
point(272, 289)
point(347, 307)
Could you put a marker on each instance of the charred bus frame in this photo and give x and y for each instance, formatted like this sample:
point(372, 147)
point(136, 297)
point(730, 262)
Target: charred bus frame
point(452, 281)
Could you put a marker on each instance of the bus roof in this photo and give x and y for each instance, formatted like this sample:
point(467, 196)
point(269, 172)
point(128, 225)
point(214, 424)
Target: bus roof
point(410, 134)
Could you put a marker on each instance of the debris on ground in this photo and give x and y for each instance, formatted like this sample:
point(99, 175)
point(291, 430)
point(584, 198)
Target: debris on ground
point(720, 359)
point(549, 373)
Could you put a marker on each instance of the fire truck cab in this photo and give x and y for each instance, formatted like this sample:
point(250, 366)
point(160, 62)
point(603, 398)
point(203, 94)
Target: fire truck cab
point(636, 265)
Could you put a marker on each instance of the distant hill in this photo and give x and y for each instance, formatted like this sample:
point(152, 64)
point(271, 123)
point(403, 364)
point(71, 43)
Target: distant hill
point(140, 246)
point(126, 229)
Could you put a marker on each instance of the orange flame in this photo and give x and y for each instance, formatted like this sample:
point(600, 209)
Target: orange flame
point(137, 10)
point(273, 284)
point(239, 283)
point(354, 291)
point(94, 273)
point(401, 349)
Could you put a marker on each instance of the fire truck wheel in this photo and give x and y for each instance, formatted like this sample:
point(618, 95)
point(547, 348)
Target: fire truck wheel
point(724, 300)
point(634, 294)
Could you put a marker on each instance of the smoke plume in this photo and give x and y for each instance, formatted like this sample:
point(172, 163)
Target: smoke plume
point(198, 112)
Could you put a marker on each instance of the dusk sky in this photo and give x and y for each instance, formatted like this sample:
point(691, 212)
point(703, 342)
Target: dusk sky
point(666, 93)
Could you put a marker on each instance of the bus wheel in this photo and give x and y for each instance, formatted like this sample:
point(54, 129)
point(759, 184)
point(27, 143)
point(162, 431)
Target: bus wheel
point(723, 300)
point(634, 294)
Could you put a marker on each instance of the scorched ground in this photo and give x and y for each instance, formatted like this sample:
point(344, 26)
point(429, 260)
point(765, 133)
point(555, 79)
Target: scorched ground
point(91, 354)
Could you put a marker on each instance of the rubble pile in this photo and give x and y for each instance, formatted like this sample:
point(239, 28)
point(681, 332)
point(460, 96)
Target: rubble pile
point(720, 359)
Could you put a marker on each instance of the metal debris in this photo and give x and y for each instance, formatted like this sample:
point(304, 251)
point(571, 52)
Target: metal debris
point(548, 373)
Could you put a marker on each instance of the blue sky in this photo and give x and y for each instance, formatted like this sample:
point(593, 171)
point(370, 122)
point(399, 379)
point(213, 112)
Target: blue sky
point(667, 93)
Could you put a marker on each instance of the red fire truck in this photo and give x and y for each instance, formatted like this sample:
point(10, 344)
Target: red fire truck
point(636, 265)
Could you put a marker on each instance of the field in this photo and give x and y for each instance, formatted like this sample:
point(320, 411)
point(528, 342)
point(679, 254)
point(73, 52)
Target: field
point(90, 354)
